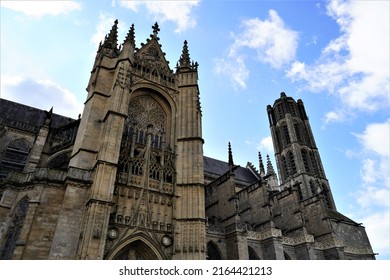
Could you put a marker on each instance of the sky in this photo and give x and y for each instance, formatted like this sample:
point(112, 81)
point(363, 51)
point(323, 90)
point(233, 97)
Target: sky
point(334, 55)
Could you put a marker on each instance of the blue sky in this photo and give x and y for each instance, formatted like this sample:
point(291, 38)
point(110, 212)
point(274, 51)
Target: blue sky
point(334, 55)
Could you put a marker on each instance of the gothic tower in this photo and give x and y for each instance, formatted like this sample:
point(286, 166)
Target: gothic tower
point(140, 148)
point(296, 153)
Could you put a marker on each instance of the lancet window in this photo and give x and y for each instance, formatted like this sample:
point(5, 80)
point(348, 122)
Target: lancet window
point(14, 230)
point(286, 135)
point(305, 160)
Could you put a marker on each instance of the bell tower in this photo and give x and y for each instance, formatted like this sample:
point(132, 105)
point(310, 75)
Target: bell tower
point(297, 156)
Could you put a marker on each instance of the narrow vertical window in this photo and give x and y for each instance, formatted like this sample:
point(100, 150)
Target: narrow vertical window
point(312, 187)
point(292, 108)
point(300, 194)
point(286, 135)
point(305, 160)
point(297, 132)
point(285, 167)
point(14, 230)
point(293, 168)
point(313, 163)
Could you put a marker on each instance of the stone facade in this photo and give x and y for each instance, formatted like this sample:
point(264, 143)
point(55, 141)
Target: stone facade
point(128, 179)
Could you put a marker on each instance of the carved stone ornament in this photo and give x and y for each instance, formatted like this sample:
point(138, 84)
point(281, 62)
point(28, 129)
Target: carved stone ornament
point(112, 233)
point(145, 111)
point(166, 240)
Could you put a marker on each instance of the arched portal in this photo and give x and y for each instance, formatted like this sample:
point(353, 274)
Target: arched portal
point(137, 247)
point(252, 254)
point(287, 256)
point(137, 250)
point(213, 252)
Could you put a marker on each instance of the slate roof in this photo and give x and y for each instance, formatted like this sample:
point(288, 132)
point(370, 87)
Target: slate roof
point(25, 117)
point(219, 168)
point(332, 214)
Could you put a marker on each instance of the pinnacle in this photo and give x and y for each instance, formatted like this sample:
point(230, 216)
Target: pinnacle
point(261, 165)
point(185, 56)
point(111, 40)
point(230, 155)
point(130, 37)
point(270, 168)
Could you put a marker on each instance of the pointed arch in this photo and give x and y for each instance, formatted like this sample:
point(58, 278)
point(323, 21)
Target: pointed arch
point(137, 247)
point(252, 254)
point(287, 256)
point(60, 159)
point(15, 156)
point(14, 229)
point(213, 252)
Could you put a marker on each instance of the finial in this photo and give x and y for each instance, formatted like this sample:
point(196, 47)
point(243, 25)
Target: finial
point(130, 37)
point(230, 155)
point(261, 165)
point(184, 61)
point(270, 168)
point(156, 29)
point(111, 40)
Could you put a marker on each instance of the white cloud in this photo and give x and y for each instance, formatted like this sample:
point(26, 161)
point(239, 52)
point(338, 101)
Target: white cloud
point(267, 145)
point(38, 9)
point(374, 196)
point(274, 43)
point(235, 69)
point(376, 138)
point(354, 66)
point(375, 166)
point(334, 116)
point(42, 94)
point(103, 27)
point(378, 229)
point(175, 11)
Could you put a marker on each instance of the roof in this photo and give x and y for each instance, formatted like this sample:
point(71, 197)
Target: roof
point(340, 217)
point(219, 168)
point(25, 117)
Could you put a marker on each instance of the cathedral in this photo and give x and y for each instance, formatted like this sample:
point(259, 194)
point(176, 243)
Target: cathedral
point(128, 179)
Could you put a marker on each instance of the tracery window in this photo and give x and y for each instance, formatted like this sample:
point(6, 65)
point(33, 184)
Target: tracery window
point(146, 120)
point(15, 156)
point(14, 230)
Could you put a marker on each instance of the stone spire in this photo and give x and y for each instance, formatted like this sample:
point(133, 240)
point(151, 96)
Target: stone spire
point(130, 37)
point(231, 163)
point(261, 166)
point(270, 168)
point(184, 61)
point(111, 40)
point(128, 45)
